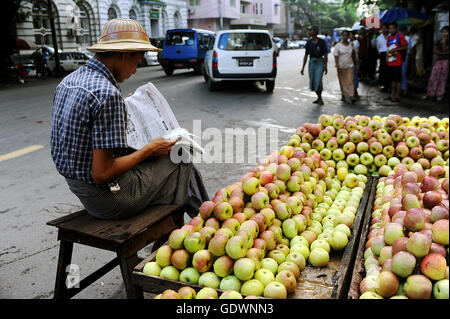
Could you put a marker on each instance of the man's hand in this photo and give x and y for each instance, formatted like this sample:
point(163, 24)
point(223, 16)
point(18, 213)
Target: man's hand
point(325, 69)
point(160, 146)
point(302, 72)
point(106, 167)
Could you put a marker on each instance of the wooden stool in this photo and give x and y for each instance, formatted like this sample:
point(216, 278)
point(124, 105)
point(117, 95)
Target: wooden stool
point(125, 237)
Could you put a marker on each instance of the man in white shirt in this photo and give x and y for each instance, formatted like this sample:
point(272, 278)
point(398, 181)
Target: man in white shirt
point(383, 78)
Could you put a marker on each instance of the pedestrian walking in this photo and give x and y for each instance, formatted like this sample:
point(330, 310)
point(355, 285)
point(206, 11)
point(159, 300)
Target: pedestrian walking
point(89, 141)
point(439, 73)
point(316, 49)
point(39, 62)
point(396, 44)
point(383, 77)
point(405, 65)
point(346, 61)
point(363, 54)
point(327, 40)
point(355, 43)
point(373, 55)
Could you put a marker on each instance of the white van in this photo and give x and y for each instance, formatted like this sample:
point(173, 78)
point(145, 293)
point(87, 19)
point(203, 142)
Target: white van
point(241, 55)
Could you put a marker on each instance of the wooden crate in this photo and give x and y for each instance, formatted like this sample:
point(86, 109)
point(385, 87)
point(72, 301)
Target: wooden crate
point(331, 282)
point(358, 271)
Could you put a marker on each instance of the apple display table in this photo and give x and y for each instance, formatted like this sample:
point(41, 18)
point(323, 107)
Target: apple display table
point(331, 282)
point(125, 237)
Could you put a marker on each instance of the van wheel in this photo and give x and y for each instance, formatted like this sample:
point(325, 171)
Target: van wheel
point(212, 86)
point(270, 85)
point(168, 71)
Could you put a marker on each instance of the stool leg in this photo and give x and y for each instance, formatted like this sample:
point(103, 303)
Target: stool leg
point(64, 259)
point(126, 266)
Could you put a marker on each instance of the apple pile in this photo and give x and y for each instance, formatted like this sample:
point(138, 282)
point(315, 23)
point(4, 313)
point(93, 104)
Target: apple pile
point(255, 236)
point(187, 292)
point(407, 250)
point(375, 145)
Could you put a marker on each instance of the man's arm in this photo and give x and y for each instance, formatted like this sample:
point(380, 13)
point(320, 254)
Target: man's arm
point(106, 168)
point(305, 58)
point(325, 59)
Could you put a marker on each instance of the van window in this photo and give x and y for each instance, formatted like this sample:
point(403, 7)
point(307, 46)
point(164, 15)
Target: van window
point(180, 38)
point(244, 41)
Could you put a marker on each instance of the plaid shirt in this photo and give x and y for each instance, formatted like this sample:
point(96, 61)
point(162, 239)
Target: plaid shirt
point(88, 113)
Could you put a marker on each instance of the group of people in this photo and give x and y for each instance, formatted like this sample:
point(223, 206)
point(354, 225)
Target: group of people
point(356, 58)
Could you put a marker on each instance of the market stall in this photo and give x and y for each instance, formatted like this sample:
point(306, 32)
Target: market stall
point(296, 225)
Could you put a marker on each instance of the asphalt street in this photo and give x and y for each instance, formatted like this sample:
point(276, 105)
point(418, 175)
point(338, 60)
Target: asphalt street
point(32, 192)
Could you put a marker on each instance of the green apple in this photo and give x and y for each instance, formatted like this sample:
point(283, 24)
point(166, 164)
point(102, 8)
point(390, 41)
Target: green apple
point(360, 169)
point(207, 293)
point(230, 282)
point(370, 295)
point(209, 279)
point(302, 249)
point(236, 247)
point(163, 255)
point(189, 275)
point(169, 272)
point(299, 240)
point(343, 228)
point(440, 289)
point(244, 268)
point(270, 264)
point(290, 228)
point(319, 257)
point(277, 255)
point(275, 290)
point(230, 294)
point(223, 266)
point(152, 268)
point(297, 259)
point(320, 243)
point(265, 276)
point(252, 287)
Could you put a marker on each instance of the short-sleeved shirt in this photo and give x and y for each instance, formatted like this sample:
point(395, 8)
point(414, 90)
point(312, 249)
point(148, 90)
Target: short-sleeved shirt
point(395, 41)
point(88, 113)
point(344, 54)
point(316, 50)
point(381, 43)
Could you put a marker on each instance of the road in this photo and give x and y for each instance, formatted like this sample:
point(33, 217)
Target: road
point(32, 192)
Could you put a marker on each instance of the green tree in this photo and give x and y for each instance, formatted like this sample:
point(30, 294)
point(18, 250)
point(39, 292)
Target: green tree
point(325, 14)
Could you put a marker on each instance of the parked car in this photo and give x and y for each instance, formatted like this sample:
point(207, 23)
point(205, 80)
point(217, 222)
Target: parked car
point(69, 61)
point(150, 58)
point(158, 42)
point(277, 46)
point(292, 45)
point(301, 43)
point(185, 49)
point(241, 55)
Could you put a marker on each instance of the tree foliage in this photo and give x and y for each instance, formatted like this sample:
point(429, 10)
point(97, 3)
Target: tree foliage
point(326, 15)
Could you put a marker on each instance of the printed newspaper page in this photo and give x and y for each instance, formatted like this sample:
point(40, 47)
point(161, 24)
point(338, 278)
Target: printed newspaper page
point(150, 116)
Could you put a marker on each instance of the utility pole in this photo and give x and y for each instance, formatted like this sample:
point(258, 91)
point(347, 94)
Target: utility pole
point(288, 7)
point(220, 15)
point(54, 40)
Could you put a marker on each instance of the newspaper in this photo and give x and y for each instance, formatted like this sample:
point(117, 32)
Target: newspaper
point(150, 116)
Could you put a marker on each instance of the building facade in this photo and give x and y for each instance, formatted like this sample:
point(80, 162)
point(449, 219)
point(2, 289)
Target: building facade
point(78, 23)
point(215, 15)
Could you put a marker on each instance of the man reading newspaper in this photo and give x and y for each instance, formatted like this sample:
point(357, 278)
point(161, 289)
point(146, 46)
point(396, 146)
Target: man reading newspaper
point(89, 141)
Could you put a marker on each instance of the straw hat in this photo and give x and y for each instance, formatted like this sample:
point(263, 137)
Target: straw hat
point(123, 35)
